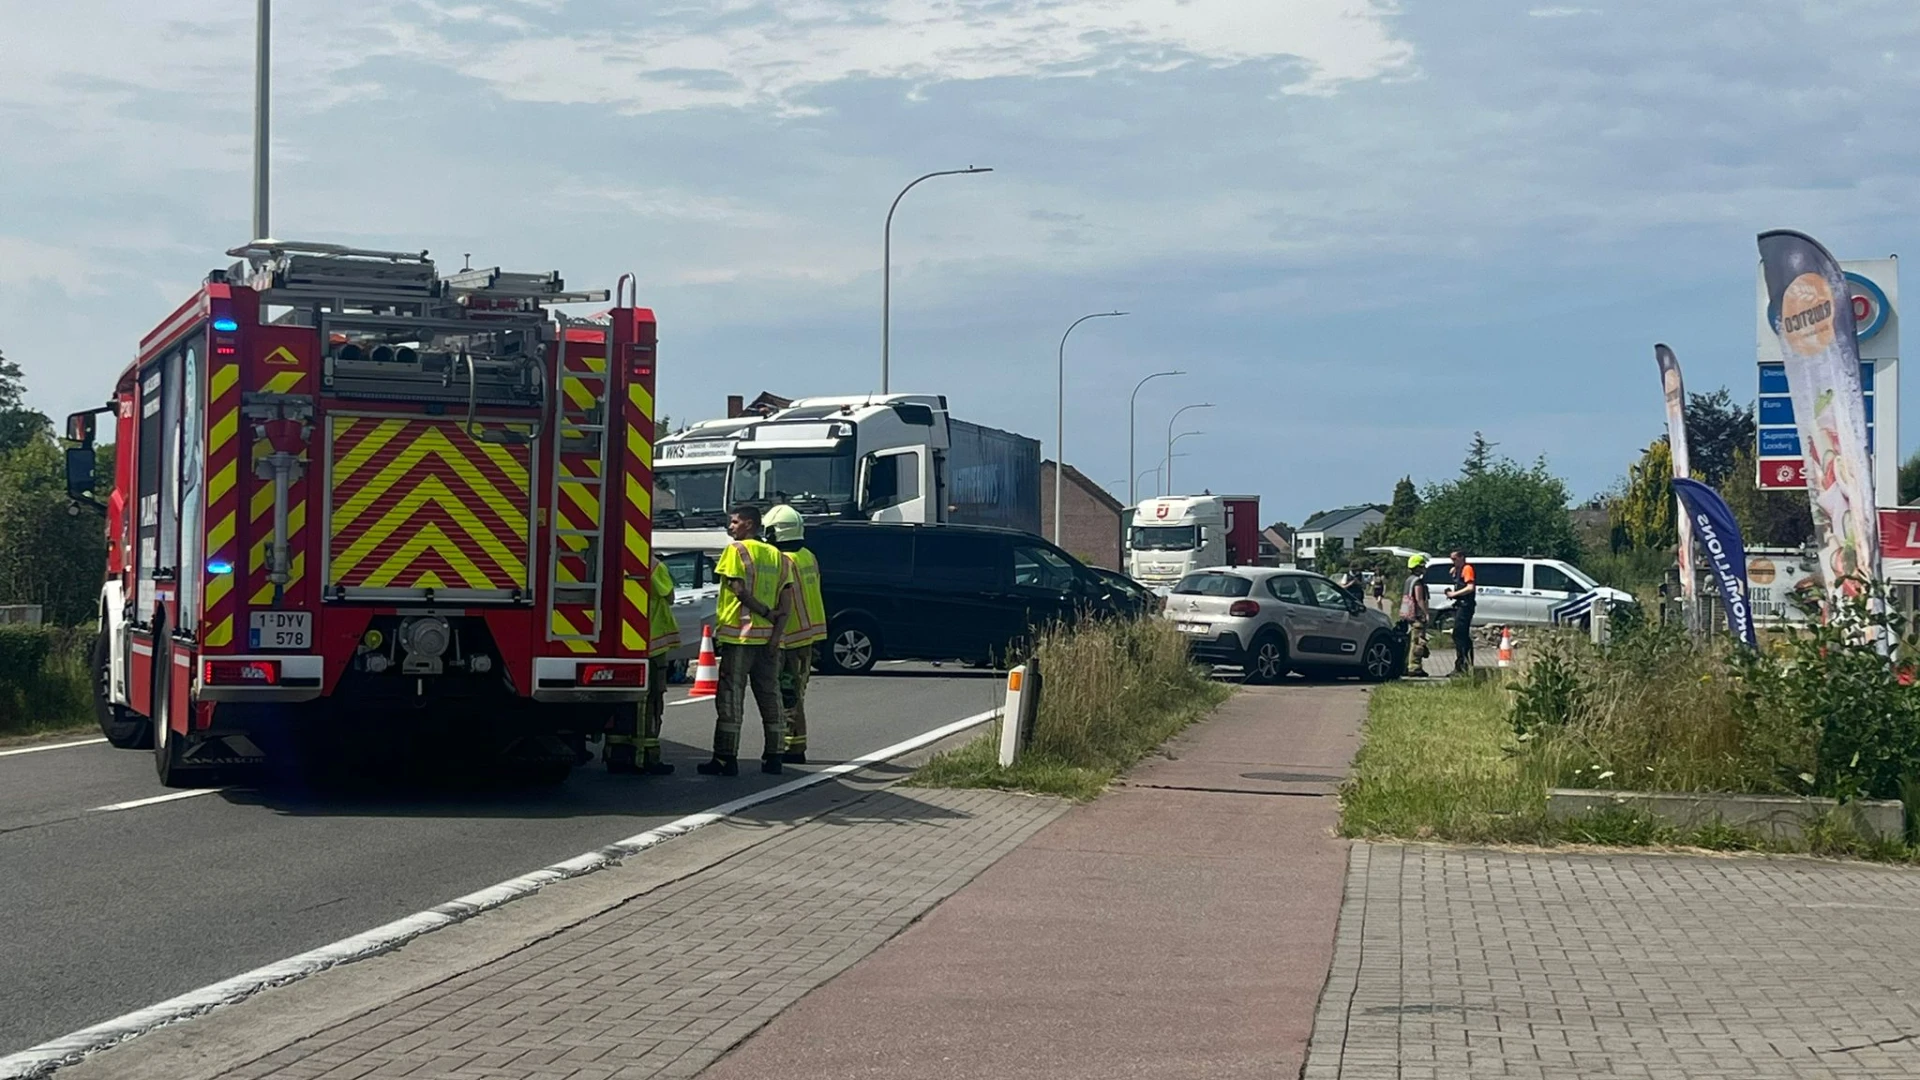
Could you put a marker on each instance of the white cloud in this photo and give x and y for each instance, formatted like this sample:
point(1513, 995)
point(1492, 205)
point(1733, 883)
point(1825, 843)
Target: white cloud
point(1561, 12)
point(771, 54)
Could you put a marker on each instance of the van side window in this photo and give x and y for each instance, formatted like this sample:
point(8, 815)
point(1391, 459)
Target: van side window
point(1550, 579)
point(958, 560)
point(1039, 568)
point(1499, 575)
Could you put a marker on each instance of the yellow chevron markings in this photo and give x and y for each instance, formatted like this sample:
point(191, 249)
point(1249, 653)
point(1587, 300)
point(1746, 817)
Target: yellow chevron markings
point(429, 538)
point(434, 442)
point(222, 380)
point(283, 382)
point(430, 490)
point(223, 481)
point(223, 431)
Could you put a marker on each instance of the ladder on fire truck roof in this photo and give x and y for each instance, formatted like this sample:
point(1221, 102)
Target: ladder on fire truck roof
point(582, 462)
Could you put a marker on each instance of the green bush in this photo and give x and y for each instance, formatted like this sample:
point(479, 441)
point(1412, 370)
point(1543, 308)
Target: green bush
point(1841, 683)
point(44, 682)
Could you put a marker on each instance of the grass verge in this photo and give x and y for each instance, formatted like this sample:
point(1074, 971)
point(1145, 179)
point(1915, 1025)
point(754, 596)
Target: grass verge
point(1113, 692)
point(1443, 763)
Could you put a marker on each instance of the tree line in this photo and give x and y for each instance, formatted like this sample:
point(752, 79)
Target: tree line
point(1625, 535)
point(51, 553)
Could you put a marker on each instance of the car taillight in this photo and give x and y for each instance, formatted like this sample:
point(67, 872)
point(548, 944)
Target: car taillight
point(613, 675)
point(1244, 609)
point(241, 672)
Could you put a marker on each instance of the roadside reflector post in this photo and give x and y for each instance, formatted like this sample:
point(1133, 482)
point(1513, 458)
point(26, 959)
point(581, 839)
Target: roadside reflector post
point(1022, 705)
point(1597, 621)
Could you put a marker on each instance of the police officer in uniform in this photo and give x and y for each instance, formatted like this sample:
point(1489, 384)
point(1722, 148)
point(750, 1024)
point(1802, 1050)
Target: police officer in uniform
point(750, 621)
point(806, 626)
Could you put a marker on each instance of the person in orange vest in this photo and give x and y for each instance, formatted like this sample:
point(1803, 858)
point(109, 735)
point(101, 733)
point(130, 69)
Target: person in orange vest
point(663, 636)
point(806, 626)
point(749, 622)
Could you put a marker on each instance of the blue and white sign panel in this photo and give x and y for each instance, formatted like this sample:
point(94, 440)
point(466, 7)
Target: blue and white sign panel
point(1874, 285)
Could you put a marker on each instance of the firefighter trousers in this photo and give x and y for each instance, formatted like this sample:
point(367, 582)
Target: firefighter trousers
point(639, 727)
point(796, 668)
point(743, 667)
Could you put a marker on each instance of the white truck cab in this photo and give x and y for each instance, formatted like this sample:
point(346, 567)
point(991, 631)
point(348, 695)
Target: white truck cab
point(1177, 534)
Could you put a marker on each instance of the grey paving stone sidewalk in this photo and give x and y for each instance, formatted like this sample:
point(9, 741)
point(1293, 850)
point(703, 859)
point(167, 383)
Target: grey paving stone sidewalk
point(1455, 963)
point(666, 983)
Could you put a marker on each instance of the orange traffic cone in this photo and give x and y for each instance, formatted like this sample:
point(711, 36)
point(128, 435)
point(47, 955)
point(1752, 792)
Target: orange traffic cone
point(706, 673)
point(1506, 647)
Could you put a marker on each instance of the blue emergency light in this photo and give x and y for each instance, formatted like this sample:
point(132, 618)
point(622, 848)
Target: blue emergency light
point(225, 326)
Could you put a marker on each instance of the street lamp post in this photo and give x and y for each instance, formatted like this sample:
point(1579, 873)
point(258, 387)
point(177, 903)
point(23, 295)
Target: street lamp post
point(1167, 477)
point(886, 267)
point(1060, 415)
point(1133, 495)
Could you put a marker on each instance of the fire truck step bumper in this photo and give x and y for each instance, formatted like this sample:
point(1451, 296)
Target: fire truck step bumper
point(222, 750)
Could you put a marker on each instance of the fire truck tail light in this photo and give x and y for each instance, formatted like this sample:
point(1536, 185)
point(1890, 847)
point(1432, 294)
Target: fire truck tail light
point(597, 675)
point(242, 672)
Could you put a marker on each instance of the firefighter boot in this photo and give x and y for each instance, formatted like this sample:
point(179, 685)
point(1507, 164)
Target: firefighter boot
point(651, 764)
point(719, 767)
point(796, 752)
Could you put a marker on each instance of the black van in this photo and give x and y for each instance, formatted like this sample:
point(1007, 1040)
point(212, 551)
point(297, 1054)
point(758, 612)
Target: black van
point(942, 592)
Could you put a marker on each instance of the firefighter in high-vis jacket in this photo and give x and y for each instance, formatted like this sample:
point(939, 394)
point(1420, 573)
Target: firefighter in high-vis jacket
point(806, 625)
point(749, 622)
point(663, 636)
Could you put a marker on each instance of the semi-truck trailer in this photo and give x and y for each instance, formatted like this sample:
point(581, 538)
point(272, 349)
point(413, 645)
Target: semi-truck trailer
point(879, 457)
point(1176, 534)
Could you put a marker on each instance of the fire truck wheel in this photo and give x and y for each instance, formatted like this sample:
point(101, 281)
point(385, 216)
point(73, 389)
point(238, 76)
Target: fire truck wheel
point(123, 727)
point(167, 746)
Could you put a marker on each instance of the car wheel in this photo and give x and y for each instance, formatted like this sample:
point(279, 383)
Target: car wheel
point(852, 648)
point(1378, 662)
point(1266, 661)
point(122, 727)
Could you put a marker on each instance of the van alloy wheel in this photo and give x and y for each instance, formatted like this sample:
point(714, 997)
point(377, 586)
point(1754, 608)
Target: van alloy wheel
point(852, 649)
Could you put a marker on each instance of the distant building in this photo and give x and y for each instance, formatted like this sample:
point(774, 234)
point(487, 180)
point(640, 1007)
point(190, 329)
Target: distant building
point(1276, 544)
point(765, 405)
point(1344, 525)
point(1090, 518)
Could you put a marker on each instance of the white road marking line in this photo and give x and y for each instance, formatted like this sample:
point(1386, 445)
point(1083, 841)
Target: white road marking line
point(38, 1061)
point(688, 701)
point(171, 796)
point(49, 746)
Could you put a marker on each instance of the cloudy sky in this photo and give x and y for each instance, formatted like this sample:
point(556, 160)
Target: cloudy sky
point(1365, 228)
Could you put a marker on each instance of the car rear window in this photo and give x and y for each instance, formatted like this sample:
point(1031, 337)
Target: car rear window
point(1213, 585)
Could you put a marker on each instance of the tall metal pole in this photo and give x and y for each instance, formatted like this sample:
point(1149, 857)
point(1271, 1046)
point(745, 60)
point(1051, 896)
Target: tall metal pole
point(262, 49)
point(1167, 476)
point(1060, 416)
point(1133, 498)
point(886, 267)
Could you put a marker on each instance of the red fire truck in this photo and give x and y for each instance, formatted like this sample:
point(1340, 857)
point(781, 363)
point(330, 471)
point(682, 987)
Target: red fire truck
point(352, 495)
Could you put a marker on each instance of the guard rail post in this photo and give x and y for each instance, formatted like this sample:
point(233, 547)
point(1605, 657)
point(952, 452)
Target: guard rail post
point(1017, 715)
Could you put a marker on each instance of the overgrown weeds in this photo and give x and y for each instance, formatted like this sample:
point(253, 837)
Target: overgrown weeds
point(1112, 692)
point(43, 679)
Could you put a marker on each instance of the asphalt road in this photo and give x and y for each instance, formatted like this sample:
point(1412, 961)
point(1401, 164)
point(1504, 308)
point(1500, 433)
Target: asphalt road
point(108, 910)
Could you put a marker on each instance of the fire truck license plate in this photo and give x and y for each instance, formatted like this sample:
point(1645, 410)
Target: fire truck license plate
point(281, 630)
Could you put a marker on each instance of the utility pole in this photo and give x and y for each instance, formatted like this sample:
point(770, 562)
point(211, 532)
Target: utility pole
point(1060, 417)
